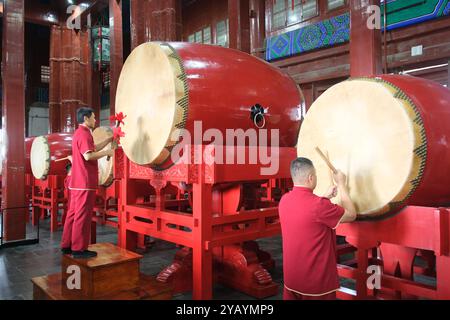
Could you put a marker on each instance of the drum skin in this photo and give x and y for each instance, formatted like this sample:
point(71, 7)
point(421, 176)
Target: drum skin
point(424, 115)
point(221, 86)
point(105, 164)
point(60, 146)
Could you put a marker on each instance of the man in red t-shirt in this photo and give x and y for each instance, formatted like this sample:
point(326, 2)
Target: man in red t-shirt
point(308, 224)
point(83, 186)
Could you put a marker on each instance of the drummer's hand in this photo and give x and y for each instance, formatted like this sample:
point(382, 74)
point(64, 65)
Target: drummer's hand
point(340, 178)
point(110, 153)
point(332, 192)
point(69, 158)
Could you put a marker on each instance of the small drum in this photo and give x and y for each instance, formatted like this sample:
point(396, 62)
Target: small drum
point(389, 135)
point(165, 87)
point(105, 165)
point(45, 150)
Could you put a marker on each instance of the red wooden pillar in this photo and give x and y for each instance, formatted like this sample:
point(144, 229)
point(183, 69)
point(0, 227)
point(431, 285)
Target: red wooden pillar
point(54, 88)
point(116, 49)
point(239, 24)
point(13, 112)
point(365, 43)
point(257, 27)
point(202, 258)
point(138, 23)
point(170, 20)
point(69, 81)
point(94, 79)
point(156, 20)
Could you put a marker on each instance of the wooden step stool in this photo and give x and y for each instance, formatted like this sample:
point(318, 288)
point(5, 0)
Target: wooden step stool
point(112, 275)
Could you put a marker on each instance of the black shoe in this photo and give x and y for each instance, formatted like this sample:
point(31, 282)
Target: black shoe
point(86, 254)
point(66, 251)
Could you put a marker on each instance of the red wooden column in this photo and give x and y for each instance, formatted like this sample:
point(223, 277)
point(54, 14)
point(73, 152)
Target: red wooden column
point(94, 79)
point(156, 20)
point(162, 15)
point(365, 43)
point(239, 24)
point(13, 112)
point(257, 27)
point(162, 18)
point(54, 88)
point(68, 82)
point(138, 25)
point(116, 49)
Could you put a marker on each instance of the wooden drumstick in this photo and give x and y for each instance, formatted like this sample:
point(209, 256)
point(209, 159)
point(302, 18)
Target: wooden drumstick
point(330, 173)
point(329, 164)
point(62, 159)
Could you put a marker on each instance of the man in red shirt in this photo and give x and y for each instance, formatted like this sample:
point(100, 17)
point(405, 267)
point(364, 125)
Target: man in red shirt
point(308, 224)
point(83, 186)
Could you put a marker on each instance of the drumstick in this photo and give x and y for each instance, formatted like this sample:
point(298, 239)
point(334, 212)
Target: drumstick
point(329, 164)
point(62, 159)
point(330, 173)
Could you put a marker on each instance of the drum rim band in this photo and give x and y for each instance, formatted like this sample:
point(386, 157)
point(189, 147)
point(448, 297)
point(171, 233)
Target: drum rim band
point(47, 160)
point(181, 107)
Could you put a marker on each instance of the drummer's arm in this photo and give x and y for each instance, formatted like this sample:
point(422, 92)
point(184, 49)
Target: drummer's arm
point(103, 144)
point(347, 204)
point(346, 201)
point(91, 156)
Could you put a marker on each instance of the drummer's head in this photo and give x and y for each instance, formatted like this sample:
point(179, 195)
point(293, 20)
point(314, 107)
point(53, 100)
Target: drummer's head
point(86, 116)
point(303, 173)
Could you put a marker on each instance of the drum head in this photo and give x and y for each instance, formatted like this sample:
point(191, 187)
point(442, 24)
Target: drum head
point(40, 158)
point(105, 167)
point(152, 93)
point(373, 133)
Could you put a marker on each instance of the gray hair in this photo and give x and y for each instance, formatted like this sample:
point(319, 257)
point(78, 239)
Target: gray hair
point(300, 169)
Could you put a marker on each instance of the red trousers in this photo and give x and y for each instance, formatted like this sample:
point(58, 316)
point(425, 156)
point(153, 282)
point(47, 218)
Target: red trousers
point(77, 227)
point(289, 295)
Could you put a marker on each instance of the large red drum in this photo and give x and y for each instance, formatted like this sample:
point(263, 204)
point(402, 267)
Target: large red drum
point(45, 150)
point(164, 87)
point(390, 135)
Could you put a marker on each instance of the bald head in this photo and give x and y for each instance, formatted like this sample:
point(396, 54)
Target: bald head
point(303, 172)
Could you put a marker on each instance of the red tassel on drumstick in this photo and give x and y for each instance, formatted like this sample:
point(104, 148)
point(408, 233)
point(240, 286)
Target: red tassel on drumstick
point(117, 130)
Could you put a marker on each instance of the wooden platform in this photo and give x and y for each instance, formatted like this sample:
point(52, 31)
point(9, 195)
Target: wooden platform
point(112, 275)
point(51, 288)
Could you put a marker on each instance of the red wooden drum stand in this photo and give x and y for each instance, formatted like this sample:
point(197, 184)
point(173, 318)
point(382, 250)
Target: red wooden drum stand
point(222, 239)
point(394, 244)
point(49, 195)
